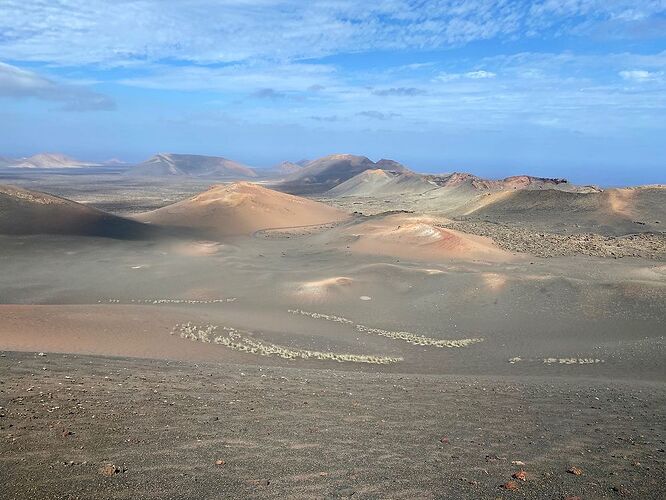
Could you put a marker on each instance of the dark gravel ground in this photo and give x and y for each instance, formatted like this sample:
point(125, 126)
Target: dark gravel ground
point(646, 245)
point(93, 427)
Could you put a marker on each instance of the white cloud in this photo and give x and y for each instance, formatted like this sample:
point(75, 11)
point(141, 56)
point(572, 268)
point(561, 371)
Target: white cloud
point(636, 75)
point(479, 75)
point(76, 32)
point(20, 84)
point(472, 75)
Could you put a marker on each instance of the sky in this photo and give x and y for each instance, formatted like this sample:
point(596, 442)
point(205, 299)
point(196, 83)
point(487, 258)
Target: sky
point(558, 88)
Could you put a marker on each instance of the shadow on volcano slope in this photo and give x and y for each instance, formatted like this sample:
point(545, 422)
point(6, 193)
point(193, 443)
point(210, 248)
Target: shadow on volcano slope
point(24, 212)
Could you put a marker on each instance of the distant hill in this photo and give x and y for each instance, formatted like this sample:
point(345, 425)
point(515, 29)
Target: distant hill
point(514, 182)
point(32, 212)
point(242, 208)
point(288, 167)
point(114, 162)
point(613, 211)
point(381, 183)
point(48, 160)
point(325, 173)
point(446, 191)
point(414, 237)
point(183, 165)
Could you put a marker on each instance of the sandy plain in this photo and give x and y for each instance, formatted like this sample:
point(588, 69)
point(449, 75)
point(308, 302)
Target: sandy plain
point(326, 360)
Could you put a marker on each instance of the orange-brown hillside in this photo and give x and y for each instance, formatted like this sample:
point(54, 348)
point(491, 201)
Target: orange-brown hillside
point(242, 208)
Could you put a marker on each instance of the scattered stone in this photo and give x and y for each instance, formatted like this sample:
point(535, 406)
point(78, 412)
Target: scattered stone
point(517, 462)
point(219, 462)
point(444, 440)
point(576, 471)
point(520, 475)
point(109, 470)
point(510, 485)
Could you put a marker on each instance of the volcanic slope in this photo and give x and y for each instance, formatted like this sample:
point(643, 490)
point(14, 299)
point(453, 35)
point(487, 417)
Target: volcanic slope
point(183, 165)
point(413, 237)
point(614, 211)
point(242, 208)
point(32, 212)
point(318, 176)
point(379, 182)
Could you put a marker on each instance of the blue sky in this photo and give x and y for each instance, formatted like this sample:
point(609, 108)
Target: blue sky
point(566, 88)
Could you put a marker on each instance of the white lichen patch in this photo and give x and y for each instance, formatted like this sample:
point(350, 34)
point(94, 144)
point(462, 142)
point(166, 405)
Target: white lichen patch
point(244, 342)
point(416, 339)
point(169, 301)
point(327, 317)
point(559, 361)
point(572, 361)
point(409, 337)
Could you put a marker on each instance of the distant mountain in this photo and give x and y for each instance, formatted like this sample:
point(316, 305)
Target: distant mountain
point(515, 182)
point(114, 162)
point(171, 164)
point(49, 160)
point(287, 168)
point(381, 183)
point(325, 173)
point(391, 180)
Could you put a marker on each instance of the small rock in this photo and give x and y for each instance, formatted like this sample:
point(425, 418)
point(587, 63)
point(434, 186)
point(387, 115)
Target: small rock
point(510, 485)
point(219, 462)
point(520, 475)
point(576, 471)
point(444, 440)
point(517, 462)
point(109, 470)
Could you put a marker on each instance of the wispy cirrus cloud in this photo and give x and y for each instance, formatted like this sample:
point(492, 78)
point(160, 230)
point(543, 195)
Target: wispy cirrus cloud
point(22, 84)
point(73, 32)
point(399, 91)
point(480, 74)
